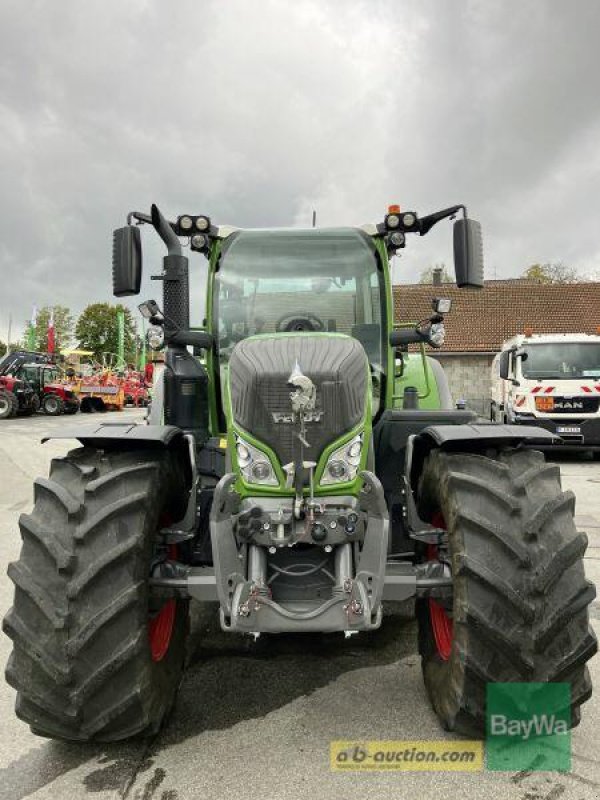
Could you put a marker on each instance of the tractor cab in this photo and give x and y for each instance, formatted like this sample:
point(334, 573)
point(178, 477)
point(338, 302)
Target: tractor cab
point(327, 281)
point(39, 375)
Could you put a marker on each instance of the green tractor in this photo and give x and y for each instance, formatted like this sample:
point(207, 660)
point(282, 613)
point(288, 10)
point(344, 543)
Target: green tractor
point(302, 466)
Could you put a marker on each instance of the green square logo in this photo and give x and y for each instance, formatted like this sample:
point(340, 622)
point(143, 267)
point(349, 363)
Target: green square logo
point(528, 726)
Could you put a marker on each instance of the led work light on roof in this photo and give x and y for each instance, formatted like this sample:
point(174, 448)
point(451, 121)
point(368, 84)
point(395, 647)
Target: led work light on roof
point(397, 239)
point(199, 242)
point(185, 223)
point(202, 223)
point(392, 221)
point(408, 220)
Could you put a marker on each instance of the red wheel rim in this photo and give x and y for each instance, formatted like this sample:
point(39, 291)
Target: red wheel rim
point(160, 625)
point(441, 624)
point(160, 628)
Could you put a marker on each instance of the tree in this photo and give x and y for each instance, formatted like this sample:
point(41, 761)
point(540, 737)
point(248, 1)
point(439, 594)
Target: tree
point(2, 348)
point(427, 274)
point(97, 330)
point(552, 273)
point(63, 328)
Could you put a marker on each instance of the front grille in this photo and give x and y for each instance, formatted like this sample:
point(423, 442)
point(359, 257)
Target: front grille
point(259, 370)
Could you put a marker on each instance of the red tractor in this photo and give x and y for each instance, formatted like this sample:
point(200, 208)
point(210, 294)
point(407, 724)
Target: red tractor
point(30, 381)
point(54, 397)
point(16, 397)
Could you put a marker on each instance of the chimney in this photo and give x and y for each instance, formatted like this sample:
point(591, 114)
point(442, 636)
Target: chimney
point(437, 276)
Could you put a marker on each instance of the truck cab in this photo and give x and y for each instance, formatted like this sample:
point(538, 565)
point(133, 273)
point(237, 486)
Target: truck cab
point(551, 381)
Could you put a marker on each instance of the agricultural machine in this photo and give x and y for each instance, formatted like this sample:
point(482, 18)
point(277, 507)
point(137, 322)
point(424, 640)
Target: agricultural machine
point(30, 381)
point(55, 397)
point(102, 391)
point(135, 389)
point(302, 468)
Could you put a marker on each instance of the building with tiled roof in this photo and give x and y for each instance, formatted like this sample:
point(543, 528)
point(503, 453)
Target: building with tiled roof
point(481, 319)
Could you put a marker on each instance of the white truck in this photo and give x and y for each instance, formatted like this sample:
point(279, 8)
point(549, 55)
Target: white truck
point(553, 381)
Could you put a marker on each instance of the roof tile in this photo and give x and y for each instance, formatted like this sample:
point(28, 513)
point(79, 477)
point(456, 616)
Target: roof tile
point(481, 319)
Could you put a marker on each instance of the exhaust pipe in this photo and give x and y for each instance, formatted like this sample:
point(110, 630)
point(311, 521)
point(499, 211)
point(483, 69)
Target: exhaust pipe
point(165, 231)
point(175, 277)
point(185, 379)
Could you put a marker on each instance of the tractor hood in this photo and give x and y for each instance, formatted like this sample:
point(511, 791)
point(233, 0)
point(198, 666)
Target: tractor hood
point(329, 371)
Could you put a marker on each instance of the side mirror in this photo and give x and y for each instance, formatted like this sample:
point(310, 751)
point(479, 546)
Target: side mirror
point(468, 253)
point(504, 364)
point(127, 261)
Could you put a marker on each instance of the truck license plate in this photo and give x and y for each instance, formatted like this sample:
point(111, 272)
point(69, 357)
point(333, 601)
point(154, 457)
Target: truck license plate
point(568, 429)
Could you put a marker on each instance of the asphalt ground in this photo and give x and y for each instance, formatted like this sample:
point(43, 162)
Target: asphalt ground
point(256, 719)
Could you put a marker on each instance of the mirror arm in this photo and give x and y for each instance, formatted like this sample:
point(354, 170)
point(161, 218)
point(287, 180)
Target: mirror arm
point(139, 216)
point(427, 223)
point(406, 336)
point(200, 339)
point(142, 219)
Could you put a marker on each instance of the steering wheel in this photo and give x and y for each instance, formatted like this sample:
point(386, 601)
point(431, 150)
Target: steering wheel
point(300, 321)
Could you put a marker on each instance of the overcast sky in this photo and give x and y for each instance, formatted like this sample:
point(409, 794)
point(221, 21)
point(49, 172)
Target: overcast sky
point(258, 112)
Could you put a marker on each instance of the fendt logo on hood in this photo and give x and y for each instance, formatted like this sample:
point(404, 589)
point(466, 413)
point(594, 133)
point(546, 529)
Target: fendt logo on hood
point(303, 399)
point(287, 416)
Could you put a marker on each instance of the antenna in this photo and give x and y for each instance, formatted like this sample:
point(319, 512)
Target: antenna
point(314, 222)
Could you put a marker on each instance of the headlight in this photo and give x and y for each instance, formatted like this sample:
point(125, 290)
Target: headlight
point(437, 334)
point(342, 465)
point(155, 336)
point(254, 465)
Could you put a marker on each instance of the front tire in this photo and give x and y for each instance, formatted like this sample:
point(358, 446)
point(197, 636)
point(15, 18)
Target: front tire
point(8, 404)
point(519, 611)
point(96, 657)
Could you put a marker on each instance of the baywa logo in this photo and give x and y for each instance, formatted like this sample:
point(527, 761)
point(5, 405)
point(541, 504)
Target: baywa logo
point(542, 725)
point(528, 726)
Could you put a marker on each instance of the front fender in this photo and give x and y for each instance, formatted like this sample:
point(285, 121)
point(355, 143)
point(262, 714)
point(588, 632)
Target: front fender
point(469, 439)
point(121, 434)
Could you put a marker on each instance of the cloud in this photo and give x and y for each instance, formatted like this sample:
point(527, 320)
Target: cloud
point(258, 113)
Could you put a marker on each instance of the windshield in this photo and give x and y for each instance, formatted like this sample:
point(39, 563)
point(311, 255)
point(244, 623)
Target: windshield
point(307, 280)
point(565, 361)
point(29, 373)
